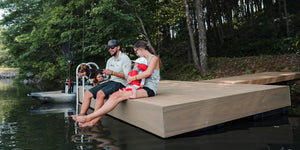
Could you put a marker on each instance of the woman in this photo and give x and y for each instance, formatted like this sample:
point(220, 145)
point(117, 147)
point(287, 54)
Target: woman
point(142, 49)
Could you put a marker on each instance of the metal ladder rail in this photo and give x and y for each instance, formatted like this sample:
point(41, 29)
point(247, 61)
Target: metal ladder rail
point(77, 84)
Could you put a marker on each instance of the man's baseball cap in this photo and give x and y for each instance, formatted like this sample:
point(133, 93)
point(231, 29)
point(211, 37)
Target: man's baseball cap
point(113, 43)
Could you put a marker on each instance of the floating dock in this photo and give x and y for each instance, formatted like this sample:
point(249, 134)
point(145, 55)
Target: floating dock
point(182, 106)
point(258, 78)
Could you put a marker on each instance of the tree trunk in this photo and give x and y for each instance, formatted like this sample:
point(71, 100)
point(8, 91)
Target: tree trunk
point(279, 10)
point(247, 8)
point(208, 14)
point(251, 5)
point(228, 10)
point(202, 36)
point(220, 29)
point(216, 30)
point(141, 22)
point(258, 4)
point(286, 17)
point(194, 53)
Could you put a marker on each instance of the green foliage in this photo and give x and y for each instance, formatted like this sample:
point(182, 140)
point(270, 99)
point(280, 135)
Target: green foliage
point(294, 89)
point(35, 30)
point(288, 45)
point(5, 58)
point(35, 42)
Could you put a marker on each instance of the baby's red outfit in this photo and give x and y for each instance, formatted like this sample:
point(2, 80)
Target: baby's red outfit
point(135, 71)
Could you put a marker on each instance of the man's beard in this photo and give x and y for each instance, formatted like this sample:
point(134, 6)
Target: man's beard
point(114, 54)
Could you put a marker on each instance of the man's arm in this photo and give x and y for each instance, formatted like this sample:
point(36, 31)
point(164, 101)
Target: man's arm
point(126, 67)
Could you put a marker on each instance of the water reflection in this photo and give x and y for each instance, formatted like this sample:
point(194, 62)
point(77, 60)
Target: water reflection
point(5, 83)
point(95, 137)
point(272, 133)
point(26, 123)
point(48, 108)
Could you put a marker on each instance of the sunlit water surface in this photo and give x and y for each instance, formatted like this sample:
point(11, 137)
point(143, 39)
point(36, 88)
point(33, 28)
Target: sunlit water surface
point(26, 123)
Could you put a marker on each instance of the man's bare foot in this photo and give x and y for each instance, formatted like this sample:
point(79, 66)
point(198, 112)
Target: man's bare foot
point(81, 114)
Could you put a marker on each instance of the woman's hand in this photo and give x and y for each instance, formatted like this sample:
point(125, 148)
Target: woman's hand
point(130, 79)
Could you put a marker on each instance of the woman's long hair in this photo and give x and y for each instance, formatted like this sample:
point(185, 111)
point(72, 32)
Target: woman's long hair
point(148, 47)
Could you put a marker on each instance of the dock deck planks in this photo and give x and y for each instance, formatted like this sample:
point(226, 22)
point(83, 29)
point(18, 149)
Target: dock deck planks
point(258, 78)
point(181, 106)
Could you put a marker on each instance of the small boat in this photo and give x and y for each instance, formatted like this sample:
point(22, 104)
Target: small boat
point(71, 89)
point(54, 96)
point(63, 96)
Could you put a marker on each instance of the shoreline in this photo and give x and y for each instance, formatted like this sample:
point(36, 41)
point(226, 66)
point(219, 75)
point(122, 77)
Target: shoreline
point(8, 74)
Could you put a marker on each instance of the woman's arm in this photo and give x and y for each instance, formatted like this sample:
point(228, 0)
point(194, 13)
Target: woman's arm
point(153, 65)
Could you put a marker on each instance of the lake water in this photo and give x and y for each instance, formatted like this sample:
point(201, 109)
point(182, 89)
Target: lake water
point(26, 123)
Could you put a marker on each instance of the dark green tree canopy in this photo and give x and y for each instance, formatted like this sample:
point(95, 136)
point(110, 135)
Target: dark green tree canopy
point(34, 30)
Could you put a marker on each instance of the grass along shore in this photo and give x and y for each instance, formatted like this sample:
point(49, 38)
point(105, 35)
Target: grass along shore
point(226, 67)
point(2, 69)
point(8, 73)
point(223, 67)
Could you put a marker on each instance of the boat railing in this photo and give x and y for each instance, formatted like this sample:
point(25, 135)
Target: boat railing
point(89, 64)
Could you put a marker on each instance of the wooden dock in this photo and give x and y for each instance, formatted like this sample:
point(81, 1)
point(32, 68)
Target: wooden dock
point(181, 106)
point(258, 78)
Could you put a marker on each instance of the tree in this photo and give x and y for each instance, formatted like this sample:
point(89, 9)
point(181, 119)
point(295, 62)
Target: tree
point(188, 22)
point(200, 61)
point(202, 36)
point(286, 17)
point(36, 30)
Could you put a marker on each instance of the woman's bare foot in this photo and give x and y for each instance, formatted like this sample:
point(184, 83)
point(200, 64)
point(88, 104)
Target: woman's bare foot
point(90, 123)
point(80, 119)
point(86, 124)
point(132, 96)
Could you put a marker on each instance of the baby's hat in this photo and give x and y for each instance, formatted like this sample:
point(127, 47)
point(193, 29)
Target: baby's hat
point(141, 60)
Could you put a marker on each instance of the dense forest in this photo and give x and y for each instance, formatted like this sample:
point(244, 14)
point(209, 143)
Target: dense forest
point(34, 33)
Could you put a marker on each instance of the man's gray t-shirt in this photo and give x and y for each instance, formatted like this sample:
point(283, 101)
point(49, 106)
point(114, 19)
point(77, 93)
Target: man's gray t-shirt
point(122, 65)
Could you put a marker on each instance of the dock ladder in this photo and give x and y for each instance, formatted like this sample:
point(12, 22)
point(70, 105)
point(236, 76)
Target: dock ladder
point(89, 64)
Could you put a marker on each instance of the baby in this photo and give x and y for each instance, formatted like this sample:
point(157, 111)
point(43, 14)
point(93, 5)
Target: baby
point(140, 65)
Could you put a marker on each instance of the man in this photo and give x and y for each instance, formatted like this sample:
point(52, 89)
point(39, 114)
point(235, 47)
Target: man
point(118, 66)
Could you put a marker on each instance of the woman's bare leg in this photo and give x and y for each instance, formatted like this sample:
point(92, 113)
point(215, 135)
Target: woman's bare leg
point(133, 89)
point(108, 106)
point(111, 103)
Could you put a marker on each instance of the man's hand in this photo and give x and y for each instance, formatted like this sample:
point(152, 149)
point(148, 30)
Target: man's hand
point(99, 77)
point(107, 71)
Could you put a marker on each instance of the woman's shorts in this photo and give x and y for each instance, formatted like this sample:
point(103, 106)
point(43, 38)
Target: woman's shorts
point(149, 91)
point(107, 88)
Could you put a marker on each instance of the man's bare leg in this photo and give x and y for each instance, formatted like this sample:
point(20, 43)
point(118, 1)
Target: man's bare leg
point(99, 103)
point(86, 102)
point(110, 104)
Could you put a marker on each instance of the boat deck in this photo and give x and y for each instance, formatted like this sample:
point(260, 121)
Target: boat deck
point(182, 106)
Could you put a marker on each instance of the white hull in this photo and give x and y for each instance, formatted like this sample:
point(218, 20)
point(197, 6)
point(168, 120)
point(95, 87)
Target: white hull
point(54, 96)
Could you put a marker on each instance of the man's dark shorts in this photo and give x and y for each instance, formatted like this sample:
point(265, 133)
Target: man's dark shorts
point(107, 88)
